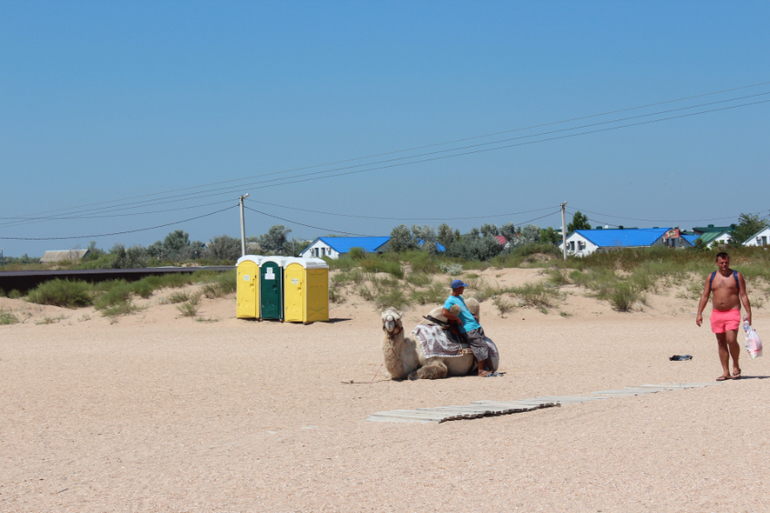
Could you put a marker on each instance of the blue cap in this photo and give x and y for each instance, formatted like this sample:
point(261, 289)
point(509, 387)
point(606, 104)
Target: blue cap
point(458, 283)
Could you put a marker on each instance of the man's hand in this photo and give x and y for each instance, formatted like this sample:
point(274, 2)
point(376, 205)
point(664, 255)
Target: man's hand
point(699, 319)
point(748, 318)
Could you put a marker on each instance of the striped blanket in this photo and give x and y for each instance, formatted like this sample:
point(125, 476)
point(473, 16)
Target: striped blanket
point(436, 343)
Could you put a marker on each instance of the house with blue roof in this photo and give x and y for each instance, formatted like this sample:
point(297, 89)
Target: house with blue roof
point(584, 242)
point(334, 247)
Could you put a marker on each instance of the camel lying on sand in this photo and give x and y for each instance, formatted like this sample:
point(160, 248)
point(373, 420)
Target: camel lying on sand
point(404, 357)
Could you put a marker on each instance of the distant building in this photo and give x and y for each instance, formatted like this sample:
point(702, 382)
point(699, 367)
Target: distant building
point(334, 247)
point(62, 255)
point(700, 230)
point(711, 239)
point(439, 247)
point(584, 242)
point(761, 238)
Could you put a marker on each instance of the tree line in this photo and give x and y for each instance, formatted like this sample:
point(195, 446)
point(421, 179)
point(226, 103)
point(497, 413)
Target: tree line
point(478, 244)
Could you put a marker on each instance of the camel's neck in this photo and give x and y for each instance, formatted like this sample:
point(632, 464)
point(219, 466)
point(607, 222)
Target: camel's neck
point(392, 346)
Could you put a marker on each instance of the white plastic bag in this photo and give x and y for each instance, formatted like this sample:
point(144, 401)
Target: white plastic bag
point(753, 344)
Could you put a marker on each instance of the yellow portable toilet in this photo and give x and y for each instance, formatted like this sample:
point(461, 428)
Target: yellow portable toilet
point(306, 290)
point(247, 290)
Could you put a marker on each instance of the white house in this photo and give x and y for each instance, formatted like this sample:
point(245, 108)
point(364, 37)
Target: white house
point(716, 239)
point(334, 247)
point(761, 238)
point(584, 242)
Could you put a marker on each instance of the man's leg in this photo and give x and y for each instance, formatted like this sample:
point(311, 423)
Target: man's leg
point(480, 350)
point(724, 356)
point(735, 350)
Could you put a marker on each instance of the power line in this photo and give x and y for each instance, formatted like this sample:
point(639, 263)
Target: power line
point(119, 233)
point(661, 220)
point(23, 219)
point(307, 225)
point(651, 220)
point(426, 146)
point(566, 136)
point(360, 235)
point(402, 218)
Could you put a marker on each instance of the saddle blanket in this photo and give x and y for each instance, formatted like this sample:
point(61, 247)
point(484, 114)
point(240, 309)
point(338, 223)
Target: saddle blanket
point(436, 343)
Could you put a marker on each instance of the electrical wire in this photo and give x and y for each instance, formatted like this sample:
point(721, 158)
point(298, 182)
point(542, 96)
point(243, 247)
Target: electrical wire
point(114, 215)
point(662, 220)
point(400, 218)
point(307, 225)
point(566, 136)
point(430, 145)
point(121, 232)
point(360, 235)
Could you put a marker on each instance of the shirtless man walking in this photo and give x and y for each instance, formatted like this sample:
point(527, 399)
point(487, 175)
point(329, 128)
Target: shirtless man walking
point(729, 290)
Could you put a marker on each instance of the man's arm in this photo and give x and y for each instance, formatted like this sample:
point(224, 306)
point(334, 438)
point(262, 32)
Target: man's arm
point(446, 313)
point(704, 299)
point(744, 297)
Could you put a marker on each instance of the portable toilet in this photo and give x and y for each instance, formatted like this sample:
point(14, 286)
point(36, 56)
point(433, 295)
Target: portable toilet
point(306, 290)
point(271, 287)
point(247, 287)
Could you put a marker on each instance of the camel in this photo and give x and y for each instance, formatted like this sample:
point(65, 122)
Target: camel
point(404, 357)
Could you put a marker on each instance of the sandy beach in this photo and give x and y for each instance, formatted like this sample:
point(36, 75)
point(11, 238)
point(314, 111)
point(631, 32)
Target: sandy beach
point(159, 412)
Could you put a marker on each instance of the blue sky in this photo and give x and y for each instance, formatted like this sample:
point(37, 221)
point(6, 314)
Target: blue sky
point(164, 111)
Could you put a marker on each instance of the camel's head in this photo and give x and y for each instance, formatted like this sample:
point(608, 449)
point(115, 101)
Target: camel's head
point(473, 305)
point(391, 320)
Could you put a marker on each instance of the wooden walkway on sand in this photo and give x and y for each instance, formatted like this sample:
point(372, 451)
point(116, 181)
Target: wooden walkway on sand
point(478, 409)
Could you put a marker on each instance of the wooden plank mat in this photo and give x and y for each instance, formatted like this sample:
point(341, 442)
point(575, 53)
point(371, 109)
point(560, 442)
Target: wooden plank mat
point(478, 409)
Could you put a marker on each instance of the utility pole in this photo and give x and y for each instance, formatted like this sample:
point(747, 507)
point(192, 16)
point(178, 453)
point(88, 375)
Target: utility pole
point(564, 230)
point(243, 229)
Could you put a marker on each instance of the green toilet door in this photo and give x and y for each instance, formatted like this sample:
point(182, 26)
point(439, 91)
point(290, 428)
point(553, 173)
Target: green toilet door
point(270, 290)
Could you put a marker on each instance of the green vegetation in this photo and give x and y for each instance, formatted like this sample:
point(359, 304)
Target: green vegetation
point(435, 293)
point(502, 305)
point(7, 317)
point(221, 285)
point(190, 307)
point(64, 293)
point(115, 297)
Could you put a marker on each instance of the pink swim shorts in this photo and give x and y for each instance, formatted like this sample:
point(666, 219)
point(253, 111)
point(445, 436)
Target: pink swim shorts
point(725, 320)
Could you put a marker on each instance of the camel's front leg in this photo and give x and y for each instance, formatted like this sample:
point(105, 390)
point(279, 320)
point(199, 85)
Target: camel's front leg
point(435, 370)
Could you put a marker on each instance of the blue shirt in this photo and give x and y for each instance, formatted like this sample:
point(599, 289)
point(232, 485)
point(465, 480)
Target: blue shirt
point(466, 317)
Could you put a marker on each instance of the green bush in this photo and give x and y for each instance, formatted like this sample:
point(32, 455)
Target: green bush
point(502, 305)
point(418, 279)
point(557, 278)
point(394, 297)
point(536, 295)
point(221, 285)
point(117, 295)
point(335, 296)
point(435, 293)
point(623, 297)
point(357, 253)
point(188, 309)
point(143, 288)
point(7, 317)
point(178, 297)
point(191, 306)
point(63, 293)
point(421, 262)
point(119, 309)
point(14, 294)
point(343, 263)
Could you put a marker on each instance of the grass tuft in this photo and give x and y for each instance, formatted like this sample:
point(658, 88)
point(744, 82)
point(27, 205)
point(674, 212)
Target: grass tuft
point(7, 317)
point(503, 305)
